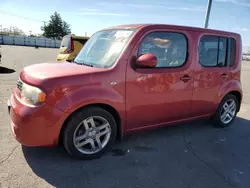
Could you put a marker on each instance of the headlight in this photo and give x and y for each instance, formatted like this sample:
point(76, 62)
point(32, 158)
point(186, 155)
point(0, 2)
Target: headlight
point(32, 95)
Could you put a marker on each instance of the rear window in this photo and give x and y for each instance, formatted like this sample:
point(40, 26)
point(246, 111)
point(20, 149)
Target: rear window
point(65, 42)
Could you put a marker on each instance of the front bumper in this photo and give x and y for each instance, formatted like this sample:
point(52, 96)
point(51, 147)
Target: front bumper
point(35, 126)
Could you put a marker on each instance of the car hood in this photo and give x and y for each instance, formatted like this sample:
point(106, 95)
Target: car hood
point(44, 71)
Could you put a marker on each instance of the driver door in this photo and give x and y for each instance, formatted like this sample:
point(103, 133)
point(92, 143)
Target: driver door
point(162, 94)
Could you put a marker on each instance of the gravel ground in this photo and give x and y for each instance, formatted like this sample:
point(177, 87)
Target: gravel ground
point(191, 155)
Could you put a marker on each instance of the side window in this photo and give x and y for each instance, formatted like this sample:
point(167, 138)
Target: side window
point(222, 55)
point(213, 51)
point(169, 48)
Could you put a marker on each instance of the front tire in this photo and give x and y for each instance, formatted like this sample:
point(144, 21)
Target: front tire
point(89, 133)
point(226, 111)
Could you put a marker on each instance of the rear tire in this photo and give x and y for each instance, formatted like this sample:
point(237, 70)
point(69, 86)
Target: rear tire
point(89, 133)
point(226, 111)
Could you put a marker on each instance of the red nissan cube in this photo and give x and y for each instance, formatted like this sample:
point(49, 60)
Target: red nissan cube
point(125, 79)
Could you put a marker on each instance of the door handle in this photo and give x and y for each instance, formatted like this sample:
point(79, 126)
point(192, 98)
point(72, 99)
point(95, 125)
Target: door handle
point(224, 76)
point(185, 78)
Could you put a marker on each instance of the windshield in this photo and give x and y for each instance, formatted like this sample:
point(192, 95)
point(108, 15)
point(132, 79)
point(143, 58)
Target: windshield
point(104, 48)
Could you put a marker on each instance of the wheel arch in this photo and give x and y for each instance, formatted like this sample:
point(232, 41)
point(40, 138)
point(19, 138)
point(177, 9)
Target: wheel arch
point(233, 87)
point(103, 106)
point(237, 94)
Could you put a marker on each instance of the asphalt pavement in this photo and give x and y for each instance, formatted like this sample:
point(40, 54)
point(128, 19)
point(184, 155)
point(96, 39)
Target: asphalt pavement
point(189, 155)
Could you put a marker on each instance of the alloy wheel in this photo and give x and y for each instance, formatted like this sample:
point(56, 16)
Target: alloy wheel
point(92, 135)
point(228, 111)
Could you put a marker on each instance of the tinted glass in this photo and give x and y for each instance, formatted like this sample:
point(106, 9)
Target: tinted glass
point(222, 51)
point(104, 47)
point(208, 51)
point(169, 48)
point(213, 51)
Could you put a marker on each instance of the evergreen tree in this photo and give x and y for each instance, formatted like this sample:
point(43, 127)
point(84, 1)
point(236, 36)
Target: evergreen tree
point(56, 28)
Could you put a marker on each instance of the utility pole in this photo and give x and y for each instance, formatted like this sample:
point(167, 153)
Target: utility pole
point(1, 32)
point(209, 4)
point(43, 26)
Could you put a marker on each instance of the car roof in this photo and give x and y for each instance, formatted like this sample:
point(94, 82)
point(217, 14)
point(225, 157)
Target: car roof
point(180, 27)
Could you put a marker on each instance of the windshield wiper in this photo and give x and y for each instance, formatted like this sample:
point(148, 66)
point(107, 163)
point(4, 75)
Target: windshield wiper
point(86, 64)
point(83, 64)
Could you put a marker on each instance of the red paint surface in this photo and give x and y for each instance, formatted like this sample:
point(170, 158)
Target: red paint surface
point(146, 60)
point(143, 98)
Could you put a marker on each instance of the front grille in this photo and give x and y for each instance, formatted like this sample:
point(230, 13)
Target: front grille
point(19, 85)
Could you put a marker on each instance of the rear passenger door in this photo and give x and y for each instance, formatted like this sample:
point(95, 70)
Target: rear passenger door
point(215, 55)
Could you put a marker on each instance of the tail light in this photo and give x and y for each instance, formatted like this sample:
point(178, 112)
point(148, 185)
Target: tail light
point(71, 44)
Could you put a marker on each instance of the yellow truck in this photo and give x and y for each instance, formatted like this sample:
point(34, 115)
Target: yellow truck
point(70, 47)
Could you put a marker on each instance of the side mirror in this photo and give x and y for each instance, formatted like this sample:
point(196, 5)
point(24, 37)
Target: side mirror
point(146, 61)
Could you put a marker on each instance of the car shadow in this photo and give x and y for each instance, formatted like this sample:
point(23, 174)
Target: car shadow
point(4, 70)
point(143, 152)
